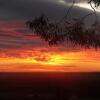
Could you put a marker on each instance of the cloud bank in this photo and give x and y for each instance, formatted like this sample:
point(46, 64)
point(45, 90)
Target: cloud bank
point(27, 9)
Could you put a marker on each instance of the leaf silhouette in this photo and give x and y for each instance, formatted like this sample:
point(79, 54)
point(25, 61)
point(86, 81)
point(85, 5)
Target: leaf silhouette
point(96, 2)
point(65, 30)
point(74, 32)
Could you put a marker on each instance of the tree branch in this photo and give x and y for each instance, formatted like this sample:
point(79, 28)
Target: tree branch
point(96, 20)
point(68, 11)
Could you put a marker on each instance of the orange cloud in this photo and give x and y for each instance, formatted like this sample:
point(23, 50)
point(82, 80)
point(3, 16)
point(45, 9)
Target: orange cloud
point(51, 61)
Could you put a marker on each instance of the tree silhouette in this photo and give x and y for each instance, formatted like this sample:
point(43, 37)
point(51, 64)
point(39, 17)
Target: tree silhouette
point(66, 30)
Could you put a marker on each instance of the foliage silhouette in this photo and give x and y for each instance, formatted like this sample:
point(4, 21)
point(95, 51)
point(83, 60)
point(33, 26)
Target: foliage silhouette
point(66, 30)
point(96, 2)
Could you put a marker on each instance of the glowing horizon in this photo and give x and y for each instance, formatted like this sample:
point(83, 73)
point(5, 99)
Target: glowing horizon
point(82, 61)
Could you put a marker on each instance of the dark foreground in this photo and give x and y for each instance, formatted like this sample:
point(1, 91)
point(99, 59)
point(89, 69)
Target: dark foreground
point(49, 86)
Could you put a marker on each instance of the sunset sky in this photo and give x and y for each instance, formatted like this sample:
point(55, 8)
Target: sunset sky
point(21, 51)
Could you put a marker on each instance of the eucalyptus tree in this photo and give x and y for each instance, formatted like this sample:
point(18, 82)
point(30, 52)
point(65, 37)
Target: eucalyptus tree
point(65, 30)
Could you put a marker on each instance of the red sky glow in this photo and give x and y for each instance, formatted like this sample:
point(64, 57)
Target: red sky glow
point(21, 51)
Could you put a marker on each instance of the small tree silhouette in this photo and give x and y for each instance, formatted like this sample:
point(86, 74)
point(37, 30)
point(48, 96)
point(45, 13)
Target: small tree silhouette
point(66, 30)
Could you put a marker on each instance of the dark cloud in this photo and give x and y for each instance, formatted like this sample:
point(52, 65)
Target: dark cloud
point(24, 31)
point(8, 46)
point(43, 59)
point(27, 9)
point(18, 38)
point(8, 36)
point(20, 44)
